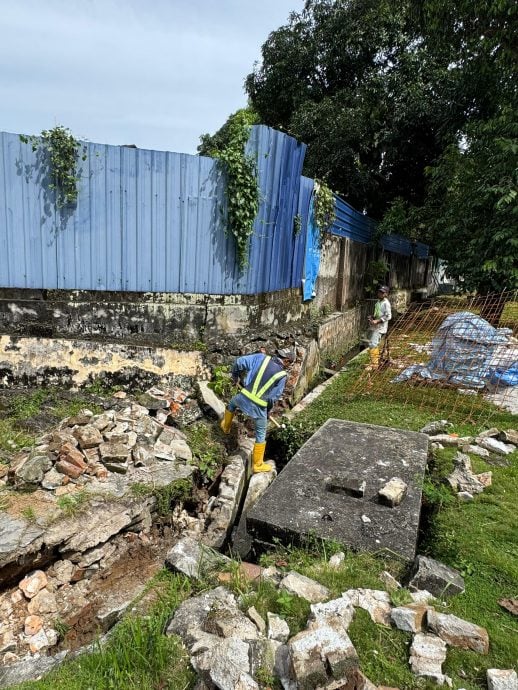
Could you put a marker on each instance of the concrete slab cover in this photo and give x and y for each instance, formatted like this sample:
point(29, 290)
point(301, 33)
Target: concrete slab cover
point(300, 503)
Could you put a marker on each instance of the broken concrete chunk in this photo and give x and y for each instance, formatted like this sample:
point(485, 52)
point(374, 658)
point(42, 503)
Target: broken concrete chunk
point(320, 655)
point(257, 619)
point(113, 452)
point(409, 618)
point(181, 450)
point(427, 655)
point(452, 440)
point(163, 451)
point(230, 666)
point(437, 427)
point(336, 560)
point(209, 401)
point(43, 602)
point(304, 587)
point(375, 602)
point(88, 436)
point(62, 571)
point(500, 679)
point(33, 583)
point(462, 478)
point(435, 577)
point(32, 470)
point(52, 479)
point(458, 632)
point(153, 402)
point(393, 492)
point(32, 625)
point(194, 559)
point(278, 629)
point(476, 450)
point(509, 436)
point(494, 446)
point(337, 613)
point(489, 433)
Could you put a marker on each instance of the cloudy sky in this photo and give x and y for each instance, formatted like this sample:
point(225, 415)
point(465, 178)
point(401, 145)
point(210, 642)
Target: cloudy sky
point(155, 73)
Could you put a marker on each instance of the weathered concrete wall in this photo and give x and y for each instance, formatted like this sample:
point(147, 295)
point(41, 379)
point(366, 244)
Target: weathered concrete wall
point(38, 361)
point(151, 318)
point(327, 281)
point(341, 331)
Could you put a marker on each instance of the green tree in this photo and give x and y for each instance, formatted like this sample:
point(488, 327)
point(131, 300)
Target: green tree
point(409, 111)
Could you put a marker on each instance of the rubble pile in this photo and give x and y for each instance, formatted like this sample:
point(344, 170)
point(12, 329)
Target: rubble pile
point(88, 447)
point(491, 445)
point(230, 648)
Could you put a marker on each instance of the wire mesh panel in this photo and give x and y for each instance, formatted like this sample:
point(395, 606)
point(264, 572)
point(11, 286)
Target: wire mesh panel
point(450, 355)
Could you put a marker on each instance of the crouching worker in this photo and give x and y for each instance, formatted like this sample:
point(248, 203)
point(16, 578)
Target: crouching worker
point(378, 325)
point(263, 379)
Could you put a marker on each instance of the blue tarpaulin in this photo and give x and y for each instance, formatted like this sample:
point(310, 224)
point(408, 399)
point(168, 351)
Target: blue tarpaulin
point(464, 353)
point(312, 262)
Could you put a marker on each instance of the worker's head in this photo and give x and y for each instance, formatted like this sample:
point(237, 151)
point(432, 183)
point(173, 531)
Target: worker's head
point(383, 290)
point(286, 356)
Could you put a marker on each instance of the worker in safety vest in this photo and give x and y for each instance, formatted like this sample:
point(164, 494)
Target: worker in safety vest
point(263, 379)
point(378, 325)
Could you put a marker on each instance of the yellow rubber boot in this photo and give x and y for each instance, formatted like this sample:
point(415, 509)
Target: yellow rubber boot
point(226, 422)
point(257, 459)
point(374, 354)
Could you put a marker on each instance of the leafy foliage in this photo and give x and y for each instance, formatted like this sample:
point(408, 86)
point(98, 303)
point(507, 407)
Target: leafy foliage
point(408, 110)
point(323, 208)
point(61, 153)
point(228, 145)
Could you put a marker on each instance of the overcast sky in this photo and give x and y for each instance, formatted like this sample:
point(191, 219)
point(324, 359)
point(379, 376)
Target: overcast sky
point(155, 73)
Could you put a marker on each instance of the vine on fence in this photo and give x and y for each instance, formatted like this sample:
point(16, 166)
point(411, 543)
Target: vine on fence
point(323, 208)
point(62, 151)
point(242, 188)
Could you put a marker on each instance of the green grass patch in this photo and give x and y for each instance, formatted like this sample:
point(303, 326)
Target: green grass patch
point(207, 448)
point(138, 655)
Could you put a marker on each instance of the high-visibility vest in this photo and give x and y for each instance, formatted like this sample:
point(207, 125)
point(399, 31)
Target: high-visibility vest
point(268, 374)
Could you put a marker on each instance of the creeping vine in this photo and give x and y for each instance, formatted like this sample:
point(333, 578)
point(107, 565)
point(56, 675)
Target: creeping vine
point(323, 208)
point(242, 188)
point(62, 152)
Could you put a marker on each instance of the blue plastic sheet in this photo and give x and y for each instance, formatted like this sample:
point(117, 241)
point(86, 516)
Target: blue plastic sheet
point(463, 353)
point(312, 261)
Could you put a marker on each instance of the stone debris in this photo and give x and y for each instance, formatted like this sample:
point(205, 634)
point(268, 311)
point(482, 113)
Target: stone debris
point(462, 478)
point(510, 605)
point(32, 625)
point(89, 447)
point(278, 629)
point(389, 581)
point(256, 618)
point(435, 577)
point(194, 559)
point(336, 560)
point(494, 446)
point(438, 427)
point(509, 436)
point(452, 440)
point(304, 587)
point(500, 679)
point(33, 583)
point(375, 602)
point(457, 632)
point(427, 654)
point(209, 401)
point(393, 492)
point(476, 450)
point(409, 618)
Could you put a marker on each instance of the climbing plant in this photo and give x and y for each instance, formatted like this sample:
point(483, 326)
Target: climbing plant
point(61, 152)
point(323, 208)
point(228, 145)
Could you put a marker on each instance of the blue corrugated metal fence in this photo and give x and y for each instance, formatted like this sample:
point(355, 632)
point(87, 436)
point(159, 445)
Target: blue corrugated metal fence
point(154, 221)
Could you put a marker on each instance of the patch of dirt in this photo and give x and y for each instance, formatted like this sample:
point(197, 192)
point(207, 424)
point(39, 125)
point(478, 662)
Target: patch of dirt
point(38, 504)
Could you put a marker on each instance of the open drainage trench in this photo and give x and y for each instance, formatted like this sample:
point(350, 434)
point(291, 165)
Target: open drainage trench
point(99, 556)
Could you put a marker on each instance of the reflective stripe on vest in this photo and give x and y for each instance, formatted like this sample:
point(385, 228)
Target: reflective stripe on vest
point(255, 394)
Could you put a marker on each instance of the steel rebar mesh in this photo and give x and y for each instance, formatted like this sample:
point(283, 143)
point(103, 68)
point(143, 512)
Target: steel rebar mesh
point(410, 341)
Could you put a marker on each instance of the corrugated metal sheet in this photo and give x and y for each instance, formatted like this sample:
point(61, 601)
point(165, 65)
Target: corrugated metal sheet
point(360, 228)
point(148, 221)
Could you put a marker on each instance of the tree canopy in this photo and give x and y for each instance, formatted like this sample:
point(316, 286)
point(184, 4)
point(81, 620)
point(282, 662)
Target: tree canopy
point(409, 112)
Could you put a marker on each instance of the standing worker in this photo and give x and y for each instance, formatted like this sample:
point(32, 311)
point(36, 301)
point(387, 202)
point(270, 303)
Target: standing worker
point(378, 325)
point(263, 379)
